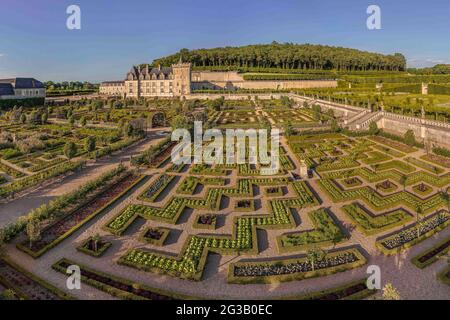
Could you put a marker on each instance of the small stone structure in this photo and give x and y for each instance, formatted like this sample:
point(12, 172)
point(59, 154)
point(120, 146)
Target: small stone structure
point(303, 169)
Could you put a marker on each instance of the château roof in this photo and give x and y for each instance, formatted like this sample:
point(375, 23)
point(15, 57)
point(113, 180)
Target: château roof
point(6, 89)
point(23, 83)
point(147, 72)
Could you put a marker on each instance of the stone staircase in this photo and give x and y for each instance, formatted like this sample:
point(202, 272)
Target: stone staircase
point(363, 122)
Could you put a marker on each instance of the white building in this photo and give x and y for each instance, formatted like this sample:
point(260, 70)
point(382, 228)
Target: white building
point(21, 88)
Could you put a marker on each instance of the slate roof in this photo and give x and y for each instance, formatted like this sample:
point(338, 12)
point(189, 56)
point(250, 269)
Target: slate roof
point(23, 83)
point(146, 71)
point(113, 82)
point(6, 89)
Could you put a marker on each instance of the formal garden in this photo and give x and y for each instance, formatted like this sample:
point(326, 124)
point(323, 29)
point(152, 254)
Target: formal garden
point(157, 230)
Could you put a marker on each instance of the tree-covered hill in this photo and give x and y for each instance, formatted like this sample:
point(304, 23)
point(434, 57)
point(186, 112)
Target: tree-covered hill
point(437, 69)
point(287, 56)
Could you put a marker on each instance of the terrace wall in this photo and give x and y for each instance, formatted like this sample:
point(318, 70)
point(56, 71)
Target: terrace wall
point(437, 133)
point(262, 84)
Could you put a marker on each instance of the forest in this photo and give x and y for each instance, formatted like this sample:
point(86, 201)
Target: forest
point(288, 56)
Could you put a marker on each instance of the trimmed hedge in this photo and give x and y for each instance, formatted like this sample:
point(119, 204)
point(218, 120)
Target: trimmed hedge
point(436, 251)
point(355, 290)
point(29, 102)
point(232, 278)
point(61, 238)
point(379, 243)
point(125, 289)
point(59, 293)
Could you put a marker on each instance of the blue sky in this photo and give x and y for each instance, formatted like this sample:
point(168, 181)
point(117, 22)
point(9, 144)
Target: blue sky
point(115, 34)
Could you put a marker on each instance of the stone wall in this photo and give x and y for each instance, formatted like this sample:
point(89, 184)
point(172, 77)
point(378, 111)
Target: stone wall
point(263, 84)
point(435, 132)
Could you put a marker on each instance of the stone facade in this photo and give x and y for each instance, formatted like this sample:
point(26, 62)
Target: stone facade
point(232, 80)
point(174, 81)
point(179, 80)
point(112, 88)
point(21, 88)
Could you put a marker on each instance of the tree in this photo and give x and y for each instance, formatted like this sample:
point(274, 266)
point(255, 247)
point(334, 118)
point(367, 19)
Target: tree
point(402, 181)
point(315, 255)
point(83, 121)
point(419, 219)
point(409, 138)
point(70, 150)
point(286, 56)
point(71, 120)
point(334, 125)
point(23, 118)
point(180, 122)
point(373, 128)
point(288, 129)
point(8, 294)
point(117, 105)
point(33, 229)
point(90, 144)
point(390, 293)
point(44, 118)
point(96, 240)
point(129, 130)
point(316, 112)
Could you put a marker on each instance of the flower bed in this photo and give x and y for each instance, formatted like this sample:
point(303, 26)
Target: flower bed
point(245, 205)
point(425, 165)
point(405, 239)
point(38, 178)
point(386, 186)
point(394, 164)
point(439, 160)
point(274, 192)
point(370, 224)
point(376, 157)
point(351, 182)
point(177, 168)
point(294, 269)
point(69, 223)
point(422, 189)
point(389, 151)
point(378, 202)
point(371, 176)
point(336, 164)
point(155, 189)
point(356, 290)
point(205, 221)
point(94, 247)
point(286, 162)
point(116, 286)
point(393, 144)
point(432, 255)
point(208, 170)
point(190, 183)
point(26, 285)
point(11, 171)
point(156, 236)
point(326, 232)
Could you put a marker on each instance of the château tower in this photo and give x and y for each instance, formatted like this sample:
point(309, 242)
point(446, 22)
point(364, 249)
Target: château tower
point(182, 78)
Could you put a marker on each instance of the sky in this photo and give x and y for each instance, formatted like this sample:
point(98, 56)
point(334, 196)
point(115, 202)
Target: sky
point(115, 34)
